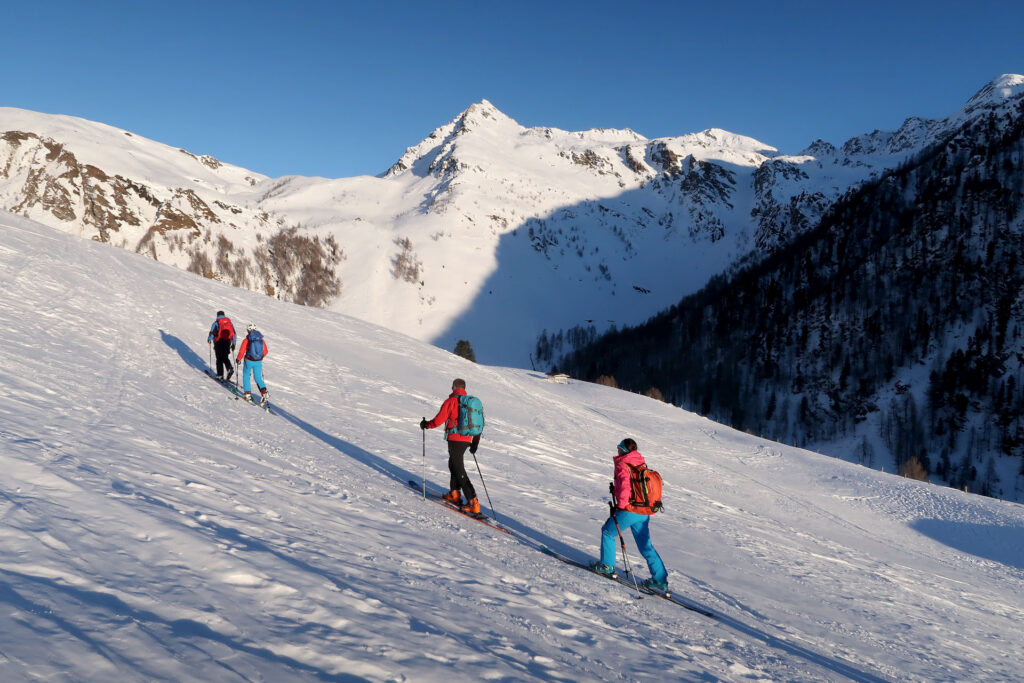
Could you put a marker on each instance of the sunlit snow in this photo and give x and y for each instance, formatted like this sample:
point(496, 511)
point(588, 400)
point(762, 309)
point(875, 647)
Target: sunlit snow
point(153, 528)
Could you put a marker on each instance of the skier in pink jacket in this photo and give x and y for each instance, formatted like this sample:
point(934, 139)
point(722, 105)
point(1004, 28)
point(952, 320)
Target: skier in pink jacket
point(622, 492)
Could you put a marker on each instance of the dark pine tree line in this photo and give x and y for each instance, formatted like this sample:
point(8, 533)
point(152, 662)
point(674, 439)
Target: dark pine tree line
point(917, 274)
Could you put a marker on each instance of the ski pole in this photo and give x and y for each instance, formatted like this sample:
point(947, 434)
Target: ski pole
point(424, 431)
point(625, 557)
point(485, 487)
point(211, 354)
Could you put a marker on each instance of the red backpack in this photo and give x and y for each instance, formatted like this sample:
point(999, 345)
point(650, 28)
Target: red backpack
point(225, 330)
point(645, 496)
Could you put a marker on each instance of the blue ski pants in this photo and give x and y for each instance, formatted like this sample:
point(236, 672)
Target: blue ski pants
point(639, 524)
point(256, 366)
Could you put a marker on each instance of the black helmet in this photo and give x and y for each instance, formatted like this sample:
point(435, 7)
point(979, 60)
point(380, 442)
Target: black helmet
point(220, 313)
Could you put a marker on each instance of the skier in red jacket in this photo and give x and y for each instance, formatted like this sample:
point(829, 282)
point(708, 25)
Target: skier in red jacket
point(448, 416)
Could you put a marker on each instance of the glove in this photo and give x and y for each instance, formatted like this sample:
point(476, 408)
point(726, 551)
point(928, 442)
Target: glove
point(232, 346)
point(209, 341)
point(611, 487)
point(424, 423)
point(475, 445)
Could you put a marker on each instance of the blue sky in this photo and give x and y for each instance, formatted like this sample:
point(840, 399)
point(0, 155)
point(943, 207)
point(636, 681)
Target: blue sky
point(338, 89)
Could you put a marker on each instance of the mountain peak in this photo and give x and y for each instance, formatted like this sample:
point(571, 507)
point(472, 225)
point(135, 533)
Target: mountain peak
point(482, 114)
point(996, 92)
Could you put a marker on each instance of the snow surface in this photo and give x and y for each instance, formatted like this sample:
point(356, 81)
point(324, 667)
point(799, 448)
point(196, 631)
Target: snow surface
point(498, 216)
point(120, 152)
point(152, 528)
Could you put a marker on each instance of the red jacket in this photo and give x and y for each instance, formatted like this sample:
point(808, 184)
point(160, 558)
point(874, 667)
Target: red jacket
point(623, 490)
point(448, 416)
point(245, 345)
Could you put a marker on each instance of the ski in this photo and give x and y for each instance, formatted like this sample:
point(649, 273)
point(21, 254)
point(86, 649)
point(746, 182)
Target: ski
point(568, 560)
point(224, 383)
point(259, 404)
point(629, 584)
point(482, 518)
point(679, 601)
point(238, 394)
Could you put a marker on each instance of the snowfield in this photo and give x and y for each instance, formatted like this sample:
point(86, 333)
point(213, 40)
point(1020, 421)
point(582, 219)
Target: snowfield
point(473, 230)
point(153, 528)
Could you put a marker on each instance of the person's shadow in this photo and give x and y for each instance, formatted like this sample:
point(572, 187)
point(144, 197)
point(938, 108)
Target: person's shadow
point(190, 357)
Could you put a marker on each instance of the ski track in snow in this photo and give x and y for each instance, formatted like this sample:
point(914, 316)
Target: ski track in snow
point(152, 527)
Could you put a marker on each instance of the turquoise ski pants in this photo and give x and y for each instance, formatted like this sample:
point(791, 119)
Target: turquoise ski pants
point(639, 524)
point(256, 366)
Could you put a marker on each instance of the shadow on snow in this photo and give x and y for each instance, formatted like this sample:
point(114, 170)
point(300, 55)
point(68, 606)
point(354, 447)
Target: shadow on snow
point(528, 536)
point(997, 543)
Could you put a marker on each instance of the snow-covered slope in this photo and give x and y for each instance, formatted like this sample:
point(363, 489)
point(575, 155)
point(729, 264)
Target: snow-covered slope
point(512, 230)
point(486, 230)
point(155, 529)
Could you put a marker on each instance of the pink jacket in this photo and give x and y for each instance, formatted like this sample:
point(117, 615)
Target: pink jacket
point(623, 491)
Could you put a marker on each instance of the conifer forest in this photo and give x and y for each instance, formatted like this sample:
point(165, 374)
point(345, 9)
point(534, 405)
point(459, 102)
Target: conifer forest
point(894, 324)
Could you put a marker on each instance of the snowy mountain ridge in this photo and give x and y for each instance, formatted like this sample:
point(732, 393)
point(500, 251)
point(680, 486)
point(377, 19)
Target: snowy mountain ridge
point(154, 528)
point(470, 232)
point(889, 334)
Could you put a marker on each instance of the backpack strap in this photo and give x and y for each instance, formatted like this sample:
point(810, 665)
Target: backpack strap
point(454, 428)
point(638, 485)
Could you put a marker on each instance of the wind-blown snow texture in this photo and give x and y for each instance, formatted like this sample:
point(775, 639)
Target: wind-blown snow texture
point(153, 528)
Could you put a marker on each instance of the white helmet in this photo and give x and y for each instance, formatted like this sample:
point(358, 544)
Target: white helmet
point(250, 327)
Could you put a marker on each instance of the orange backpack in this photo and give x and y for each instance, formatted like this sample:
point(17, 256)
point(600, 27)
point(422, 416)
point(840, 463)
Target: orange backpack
point(645, 497)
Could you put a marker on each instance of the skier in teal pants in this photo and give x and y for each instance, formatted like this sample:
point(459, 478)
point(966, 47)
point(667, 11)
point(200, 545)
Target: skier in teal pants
point(254, 350)
point(622, 492)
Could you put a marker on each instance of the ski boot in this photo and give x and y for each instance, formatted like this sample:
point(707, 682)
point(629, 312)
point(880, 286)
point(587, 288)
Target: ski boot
point(655, 585)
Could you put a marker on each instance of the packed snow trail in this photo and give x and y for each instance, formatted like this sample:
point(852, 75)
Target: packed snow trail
point(149, 528)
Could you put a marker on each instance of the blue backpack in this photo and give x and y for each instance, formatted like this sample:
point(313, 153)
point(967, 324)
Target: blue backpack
point(255, 349)
point(471, 416)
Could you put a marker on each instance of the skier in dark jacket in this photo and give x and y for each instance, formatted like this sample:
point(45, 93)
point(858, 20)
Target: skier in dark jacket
point(222, 336)
point(448, 416)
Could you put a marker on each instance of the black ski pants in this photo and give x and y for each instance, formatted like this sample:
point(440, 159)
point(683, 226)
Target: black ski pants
point(457, 467)
point(222, 349)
